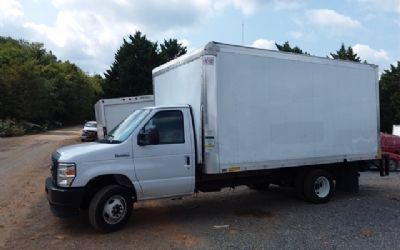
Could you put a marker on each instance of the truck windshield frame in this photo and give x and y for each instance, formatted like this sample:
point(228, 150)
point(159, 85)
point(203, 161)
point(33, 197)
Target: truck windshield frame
point(123, 130)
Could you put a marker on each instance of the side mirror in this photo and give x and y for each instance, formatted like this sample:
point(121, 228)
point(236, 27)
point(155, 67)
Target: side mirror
point(141, 140)
point(148, 137)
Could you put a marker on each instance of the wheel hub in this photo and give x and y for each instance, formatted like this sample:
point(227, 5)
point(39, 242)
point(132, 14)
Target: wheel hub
point(114, 209)
point(322, 187)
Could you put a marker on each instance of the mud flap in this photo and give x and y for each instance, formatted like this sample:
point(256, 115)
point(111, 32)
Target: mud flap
point(384, 165)
point(347, 177)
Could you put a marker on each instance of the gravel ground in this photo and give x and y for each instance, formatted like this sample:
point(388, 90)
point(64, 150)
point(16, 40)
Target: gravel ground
point(232, 219)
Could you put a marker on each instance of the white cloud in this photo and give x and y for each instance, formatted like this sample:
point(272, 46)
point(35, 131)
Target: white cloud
point(335, 22)
point(89, 32)
point(184, 42)
point(249, 7)
point(86, 37)
point(369, 54)
point(10, 10)
point(379, 57)
point(264, 44)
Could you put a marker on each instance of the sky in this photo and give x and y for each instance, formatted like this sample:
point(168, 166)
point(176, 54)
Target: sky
point(89, 32)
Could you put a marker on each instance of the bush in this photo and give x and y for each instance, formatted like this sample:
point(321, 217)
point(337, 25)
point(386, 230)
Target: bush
point(11, 128)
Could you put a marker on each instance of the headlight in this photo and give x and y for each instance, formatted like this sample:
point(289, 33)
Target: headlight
point(66, 174)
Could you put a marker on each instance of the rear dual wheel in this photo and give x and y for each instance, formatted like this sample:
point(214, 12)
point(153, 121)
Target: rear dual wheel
point(393, 165)
point(317, 186)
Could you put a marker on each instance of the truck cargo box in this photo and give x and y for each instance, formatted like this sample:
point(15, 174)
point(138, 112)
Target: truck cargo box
point(262, 109)
point(110, 112)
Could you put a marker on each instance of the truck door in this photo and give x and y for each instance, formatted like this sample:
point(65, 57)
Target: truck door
point(165, 165)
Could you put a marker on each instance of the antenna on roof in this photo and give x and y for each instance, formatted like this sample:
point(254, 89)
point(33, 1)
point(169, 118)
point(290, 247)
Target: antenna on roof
point(242, 33)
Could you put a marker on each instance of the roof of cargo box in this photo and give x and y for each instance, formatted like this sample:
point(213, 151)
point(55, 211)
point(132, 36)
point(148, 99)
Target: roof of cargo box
point(129, 99)
point(213, 48)
point(168, 106)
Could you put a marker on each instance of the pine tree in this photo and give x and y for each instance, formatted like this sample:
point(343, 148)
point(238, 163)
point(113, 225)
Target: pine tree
point(130, 74)
point(346, 54)
point(286, 47)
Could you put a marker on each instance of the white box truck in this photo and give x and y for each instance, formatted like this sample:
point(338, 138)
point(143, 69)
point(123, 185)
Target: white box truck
point(396, 130)
point(225, 116)
point(110, 112)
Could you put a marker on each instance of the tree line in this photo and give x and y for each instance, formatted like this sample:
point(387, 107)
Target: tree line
point(36, 87)
point(39, 91)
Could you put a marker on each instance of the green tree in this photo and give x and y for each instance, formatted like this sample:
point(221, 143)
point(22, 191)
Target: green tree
point(37, 87)
point(287, 48)
point(24, 92)
point(170, 50)
point(130, 74)
point(346, 54)
point(389, 95)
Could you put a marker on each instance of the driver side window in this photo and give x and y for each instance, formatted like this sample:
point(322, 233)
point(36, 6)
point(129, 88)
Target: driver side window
point(168, 126)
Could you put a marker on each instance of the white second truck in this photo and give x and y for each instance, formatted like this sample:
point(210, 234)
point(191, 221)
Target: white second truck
point(225, 116)
point(110, 112)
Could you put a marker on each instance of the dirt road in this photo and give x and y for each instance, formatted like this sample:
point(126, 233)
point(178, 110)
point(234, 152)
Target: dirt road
point(232, 219)
point(24, 165)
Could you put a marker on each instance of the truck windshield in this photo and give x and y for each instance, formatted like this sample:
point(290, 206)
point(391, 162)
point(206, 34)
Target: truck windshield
point(122, 131)
point(91, 124)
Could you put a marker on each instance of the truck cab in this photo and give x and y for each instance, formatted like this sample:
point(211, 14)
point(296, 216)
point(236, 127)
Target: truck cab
point(149, 155)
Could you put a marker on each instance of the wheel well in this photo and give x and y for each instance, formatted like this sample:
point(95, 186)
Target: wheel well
point(97, 183)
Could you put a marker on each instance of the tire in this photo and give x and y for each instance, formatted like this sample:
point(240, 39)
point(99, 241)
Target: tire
point(299, 185)
point(318, 186)
point(110, 208)
point(393, 165)
point(259, 186)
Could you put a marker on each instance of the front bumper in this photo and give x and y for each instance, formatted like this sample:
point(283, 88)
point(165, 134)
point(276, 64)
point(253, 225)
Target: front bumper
point(88, 135)
point(64, 202)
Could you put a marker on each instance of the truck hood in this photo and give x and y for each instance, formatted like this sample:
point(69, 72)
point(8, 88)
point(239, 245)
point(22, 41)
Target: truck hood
point(94, 151)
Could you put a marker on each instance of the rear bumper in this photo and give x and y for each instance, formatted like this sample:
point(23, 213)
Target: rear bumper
point(63, 202)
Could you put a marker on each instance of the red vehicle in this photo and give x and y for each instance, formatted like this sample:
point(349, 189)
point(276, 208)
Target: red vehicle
point(390, 148)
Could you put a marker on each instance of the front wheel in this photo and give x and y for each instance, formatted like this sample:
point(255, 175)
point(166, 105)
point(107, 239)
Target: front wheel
point(318, 186)
point(110, 208)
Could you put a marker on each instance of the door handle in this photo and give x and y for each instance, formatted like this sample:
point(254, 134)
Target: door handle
point(187, 160)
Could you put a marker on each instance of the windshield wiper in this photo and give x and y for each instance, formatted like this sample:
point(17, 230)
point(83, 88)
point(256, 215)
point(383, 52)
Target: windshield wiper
point(107, 141)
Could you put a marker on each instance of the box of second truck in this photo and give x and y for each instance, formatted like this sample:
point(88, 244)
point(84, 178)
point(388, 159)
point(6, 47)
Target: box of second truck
point(110, 112)
point(226, 116)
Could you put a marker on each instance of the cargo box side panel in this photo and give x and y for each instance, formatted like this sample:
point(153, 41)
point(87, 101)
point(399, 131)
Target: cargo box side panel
point(182, 85)
point(277, 113)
